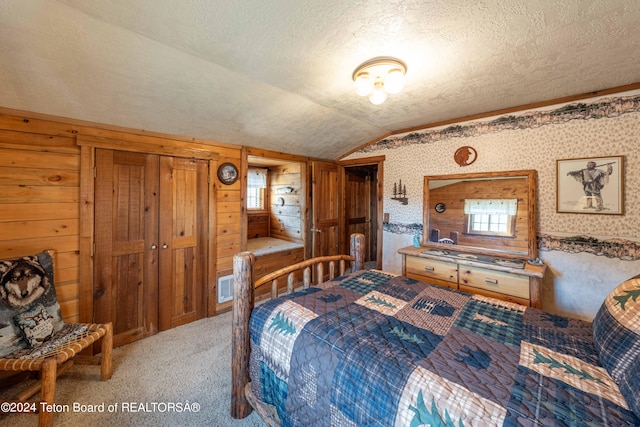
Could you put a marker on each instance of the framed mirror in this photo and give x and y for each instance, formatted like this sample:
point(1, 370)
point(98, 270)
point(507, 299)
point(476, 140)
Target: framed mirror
point(493, 212)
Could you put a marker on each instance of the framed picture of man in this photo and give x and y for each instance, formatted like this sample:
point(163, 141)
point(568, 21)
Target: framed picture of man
point(593, 185)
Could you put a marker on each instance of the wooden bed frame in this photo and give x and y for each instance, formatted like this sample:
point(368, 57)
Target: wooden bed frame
point(245, 287)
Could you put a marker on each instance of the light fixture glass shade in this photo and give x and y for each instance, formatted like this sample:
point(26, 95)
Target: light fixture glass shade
point(364, 84)
point(394, 81)
point(378, 95)
point(379, 77)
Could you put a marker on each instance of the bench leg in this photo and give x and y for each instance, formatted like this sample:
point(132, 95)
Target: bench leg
point(48, 391)
point(106, 364)
point(30, 391)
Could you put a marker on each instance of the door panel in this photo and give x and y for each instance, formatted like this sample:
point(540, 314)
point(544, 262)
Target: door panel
point(326, 208)
point(183, 246)
point(358, 208)
point(125, 280)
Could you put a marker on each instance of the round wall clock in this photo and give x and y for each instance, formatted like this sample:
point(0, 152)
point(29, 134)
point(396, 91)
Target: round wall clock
point(440, 207)
point(228, 173)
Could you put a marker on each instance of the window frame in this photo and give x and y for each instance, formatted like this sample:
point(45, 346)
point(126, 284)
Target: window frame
point(265, 195)
point(510, 232)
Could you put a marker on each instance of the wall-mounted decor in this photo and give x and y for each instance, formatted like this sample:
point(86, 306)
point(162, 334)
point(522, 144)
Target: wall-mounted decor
point(228, 173)
point(592, 185)
point(440, 207)
point(465, 155)
point(400, 193)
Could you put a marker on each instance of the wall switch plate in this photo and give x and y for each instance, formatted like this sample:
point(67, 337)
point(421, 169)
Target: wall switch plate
point(385, 217)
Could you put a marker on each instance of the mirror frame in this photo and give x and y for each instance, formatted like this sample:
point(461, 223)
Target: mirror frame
point(532, 220)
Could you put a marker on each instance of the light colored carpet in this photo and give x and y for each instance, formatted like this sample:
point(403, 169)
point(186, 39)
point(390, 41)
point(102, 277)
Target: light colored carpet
point(189, 364)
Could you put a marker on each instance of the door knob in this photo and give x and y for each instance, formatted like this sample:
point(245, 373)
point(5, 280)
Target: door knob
point(154, 247)
point(164, 246)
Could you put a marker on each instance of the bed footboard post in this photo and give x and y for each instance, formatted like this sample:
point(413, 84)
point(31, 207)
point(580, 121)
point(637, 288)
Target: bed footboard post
point(357, 251)
point(243, 300)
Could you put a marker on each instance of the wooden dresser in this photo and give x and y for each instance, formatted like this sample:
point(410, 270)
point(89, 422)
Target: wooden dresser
point(499, 279)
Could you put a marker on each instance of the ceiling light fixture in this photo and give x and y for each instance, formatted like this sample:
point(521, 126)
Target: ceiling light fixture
point(379, 77)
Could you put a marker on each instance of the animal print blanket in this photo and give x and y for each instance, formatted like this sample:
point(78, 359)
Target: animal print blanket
point(30, 319)
point(374, 349)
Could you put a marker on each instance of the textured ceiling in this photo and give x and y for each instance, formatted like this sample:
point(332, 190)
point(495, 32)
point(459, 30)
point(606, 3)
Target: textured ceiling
point(276, 74)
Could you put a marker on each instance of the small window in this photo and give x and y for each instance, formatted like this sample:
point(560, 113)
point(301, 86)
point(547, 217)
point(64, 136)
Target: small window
point(493, 217)
point(256, 188)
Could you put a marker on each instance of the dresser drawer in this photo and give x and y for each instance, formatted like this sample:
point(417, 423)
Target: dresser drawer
point(447, 271)
point(495, 281)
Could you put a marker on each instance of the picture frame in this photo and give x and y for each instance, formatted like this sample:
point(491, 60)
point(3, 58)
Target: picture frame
point(590, 185)
point(228, 173)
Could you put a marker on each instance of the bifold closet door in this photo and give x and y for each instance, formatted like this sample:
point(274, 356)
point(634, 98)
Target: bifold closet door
point(151, 222)
point(126, 231)
point(184, 202)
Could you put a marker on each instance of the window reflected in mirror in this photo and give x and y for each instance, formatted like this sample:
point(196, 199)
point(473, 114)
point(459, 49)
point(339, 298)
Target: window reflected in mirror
point(491, 217)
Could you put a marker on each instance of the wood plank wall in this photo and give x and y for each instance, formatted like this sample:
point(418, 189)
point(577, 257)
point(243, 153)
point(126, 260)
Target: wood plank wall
point(258, 224)
point(40, 205)
point(286, 220)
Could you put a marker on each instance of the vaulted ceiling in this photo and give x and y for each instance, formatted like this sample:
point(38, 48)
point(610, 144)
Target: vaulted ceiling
point(276, 74)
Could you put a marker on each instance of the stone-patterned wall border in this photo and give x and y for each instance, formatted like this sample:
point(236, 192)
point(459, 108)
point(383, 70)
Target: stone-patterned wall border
point(398, 228)
point(626, 250)
point(604, 108)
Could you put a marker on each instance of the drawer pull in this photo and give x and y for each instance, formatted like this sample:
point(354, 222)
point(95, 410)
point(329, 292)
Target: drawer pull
point(430, 269)
point(491, 281)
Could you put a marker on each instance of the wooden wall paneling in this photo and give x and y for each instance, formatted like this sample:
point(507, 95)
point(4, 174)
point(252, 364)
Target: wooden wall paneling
point(174, 149)
point(232, 226)
point(30, 158)
point(39, 195)
point(242, 183)
point(286, 220)
point(15, 140)
point(20, 247)
point(257, 225)
point(230, 211)
point(37, 211)
point(212, 237)
point(85, 291)
point(37, 123)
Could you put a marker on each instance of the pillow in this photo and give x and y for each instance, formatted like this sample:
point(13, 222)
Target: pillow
point(616, 335)
point(629, 386)
point(36, 325)
point(25, 283)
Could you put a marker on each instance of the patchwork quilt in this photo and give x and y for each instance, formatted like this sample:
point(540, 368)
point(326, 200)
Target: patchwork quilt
point(374, 349)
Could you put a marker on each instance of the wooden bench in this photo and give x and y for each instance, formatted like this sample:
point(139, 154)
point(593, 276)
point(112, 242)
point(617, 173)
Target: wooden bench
point(33, 337)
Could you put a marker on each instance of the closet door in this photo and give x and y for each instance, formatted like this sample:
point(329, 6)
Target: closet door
point(126, 227)
point(184, 213)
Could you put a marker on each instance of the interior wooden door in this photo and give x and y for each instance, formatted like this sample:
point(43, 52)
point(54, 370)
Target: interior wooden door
point(126, 230)
point(325, 182)
point(358, 207)
point(184, 202)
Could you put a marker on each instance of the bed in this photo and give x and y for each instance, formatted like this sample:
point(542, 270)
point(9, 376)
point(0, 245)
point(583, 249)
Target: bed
point(368, 347)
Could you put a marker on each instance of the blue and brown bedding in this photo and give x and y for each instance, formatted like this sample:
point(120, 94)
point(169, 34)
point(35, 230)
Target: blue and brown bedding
point(371, 348)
